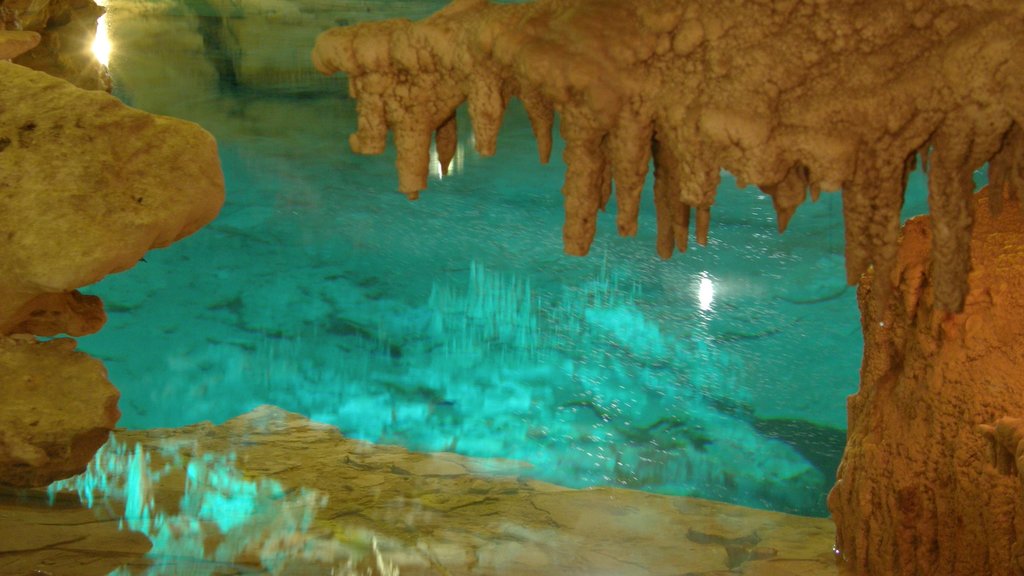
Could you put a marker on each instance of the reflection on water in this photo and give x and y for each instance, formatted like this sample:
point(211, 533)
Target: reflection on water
point(455, 323)
point(222, 519)
point(429, 514)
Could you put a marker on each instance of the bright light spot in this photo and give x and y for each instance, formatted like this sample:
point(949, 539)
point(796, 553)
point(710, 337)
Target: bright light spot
point(435, 164)
point(453, 168)
point(101, 43)
point(705, 291)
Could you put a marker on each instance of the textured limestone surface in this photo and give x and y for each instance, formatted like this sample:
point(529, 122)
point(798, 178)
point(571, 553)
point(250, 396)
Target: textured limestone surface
point(15, 42)
point(87, 186)
point(919, 491)
point(58, 408)
point(795, 97)
point(429, 513)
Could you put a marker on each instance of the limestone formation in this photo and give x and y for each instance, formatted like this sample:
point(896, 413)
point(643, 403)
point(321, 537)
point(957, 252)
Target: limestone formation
point(795, 97)
point(16, 42)
point(58, 408)
point(87, 186)
point(923, 488)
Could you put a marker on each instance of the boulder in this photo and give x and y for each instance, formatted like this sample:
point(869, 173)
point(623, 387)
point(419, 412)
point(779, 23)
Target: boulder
point(58, 408)
point(87, 186)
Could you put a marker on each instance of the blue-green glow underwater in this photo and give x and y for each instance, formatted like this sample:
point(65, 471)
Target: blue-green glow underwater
point(222, 517)
point(456, 322)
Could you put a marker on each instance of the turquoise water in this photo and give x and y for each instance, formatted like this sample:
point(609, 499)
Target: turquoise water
point(455, 322)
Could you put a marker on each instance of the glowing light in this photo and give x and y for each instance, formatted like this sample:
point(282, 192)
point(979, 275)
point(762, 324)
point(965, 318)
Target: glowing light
point(101, 43)
point(453, 168)
point(705, 292)
point(220, 503)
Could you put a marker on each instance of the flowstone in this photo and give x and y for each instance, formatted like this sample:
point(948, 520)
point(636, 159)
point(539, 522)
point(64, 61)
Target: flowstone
point(925, 485)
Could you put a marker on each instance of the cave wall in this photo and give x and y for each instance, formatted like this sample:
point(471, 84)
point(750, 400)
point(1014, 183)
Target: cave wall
point(66, 29)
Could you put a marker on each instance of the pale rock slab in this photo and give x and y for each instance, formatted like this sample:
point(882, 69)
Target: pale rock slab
point(16, 42)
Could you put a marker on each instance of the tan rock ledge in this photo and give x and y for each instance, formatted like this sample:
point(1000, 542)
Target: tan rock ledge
point(17, 42)
point(272, 492)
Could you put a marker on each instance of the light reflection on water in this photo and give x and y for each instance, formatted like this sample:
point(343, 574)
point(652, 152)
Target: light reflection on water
point(223, 519)
point(321, 291)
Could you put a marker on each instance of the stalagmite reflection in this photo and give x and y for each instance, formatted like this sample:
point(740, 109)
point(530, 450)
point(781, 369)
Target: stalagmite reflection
point(223, 516)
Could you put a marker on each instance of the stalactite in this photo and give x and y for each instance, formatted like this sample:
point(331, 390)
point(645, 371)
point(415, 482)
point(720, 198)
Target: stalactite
point(586, 164)
point(486, 110)
point(783, 96)
point(788, 194)
point(630, 148)
point(542, 119)
point(673, 218)
point(1005, 171)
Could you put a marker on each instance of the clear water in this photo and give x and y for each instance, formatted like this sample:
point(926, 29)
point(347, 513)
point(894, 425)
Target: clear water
point(455, 322)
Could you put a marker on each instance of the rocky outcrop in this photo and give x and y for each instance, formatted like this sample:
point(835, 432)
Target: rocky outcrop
point(919, 491)
point(87, 186)
point(15, 42)
point(58, 408)
point(795, 97)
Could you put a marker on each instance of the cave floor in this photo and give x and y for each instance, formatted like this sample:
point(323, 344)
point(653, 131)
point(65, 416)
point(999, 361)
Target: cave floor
point(271, 492)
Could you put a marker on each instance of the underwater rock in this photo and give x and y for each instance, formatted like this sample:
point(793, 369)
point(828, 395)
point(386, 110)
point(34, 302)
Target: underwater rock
point(15, 42)
point(58, 408)
point(793, 97)
point(88, 185)
point(918, 491)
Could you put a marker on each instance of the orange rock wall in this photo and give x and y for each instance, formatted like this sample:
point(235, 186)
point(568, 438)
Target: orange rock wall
point(918, 492)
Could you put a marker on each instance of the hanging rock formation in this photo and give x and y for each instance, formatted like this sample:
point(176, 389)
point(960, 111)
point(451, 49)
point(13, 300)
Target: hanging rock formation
point(920, 489)
point(87, 186)
point(794, 96)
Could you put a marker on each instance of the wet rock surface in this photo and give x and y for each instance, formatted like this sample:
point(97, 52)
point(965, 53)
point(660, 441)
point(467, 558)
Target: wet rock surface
point(431, 513)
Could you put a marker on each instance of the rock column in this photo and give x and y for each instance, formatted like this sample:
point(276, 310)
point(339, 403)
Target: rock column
point(918, 492)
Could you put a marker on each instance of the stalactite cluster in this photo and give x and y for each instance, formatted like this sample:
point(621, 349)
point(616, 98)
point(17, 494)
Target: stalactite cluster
point(795, 96)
